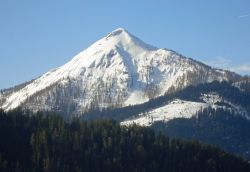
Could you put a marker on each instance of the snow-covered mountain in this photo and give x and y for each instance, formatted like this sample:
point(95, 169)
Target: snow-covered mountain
point(116, 71)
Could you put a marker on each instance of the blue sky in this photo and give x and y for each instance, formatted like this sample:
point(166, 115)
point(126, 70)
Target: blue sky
point(36, 36)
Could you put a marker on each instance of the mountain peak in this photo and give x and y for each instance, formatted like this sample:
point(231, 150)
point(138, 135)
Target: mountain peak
point(120, 37)
point(118, 31)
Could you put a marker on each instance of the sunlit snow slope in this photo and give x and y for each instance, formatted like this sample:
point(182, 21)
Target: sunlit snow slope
point(184, 109)
point(116, 71)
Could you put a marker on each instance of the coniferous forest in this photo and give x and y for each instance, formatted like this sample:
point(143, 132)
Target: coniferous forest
point(219, 127)
point(47, 142)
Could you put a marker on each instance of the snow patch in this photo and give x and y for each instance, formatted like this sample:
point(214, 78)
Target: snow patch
point(184, 109)
point(137, 97)
point(211, 98)
point(175, 109)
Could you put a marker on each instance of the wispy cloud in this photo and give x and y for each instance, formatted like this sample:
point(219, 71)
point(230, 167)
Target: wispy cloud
point(243, 69)
point(245, 15)
point(219, 62)
point(227, 64)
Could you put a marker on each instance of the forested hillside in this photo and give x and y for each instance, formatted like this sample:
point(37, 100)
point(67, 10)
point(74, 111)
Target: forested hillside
point(226, 90)
point(46, 142)
point(218, 127)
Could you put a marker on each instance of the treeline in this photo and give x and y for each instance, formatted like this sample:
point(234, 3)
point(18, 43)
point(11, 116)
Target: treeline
point(46, 142)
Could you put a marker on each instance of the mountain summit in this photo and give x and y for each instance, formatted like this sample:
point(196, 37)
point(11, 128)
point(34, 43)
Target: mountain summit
point(116, 71)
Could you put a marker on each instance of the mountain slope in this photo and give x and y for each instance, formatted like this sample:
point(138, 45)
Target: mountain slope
point(216, 113)
point(192, 100)
point(116, 71)
point(222, 128)
point(178, 108)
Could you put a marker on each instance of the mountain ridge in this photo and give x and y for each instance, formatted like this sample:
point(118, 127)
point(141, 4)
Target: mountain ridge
point(116, 71)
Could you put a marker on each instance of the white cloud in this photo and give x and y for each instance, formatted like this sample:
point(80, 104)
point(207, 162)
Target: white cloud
point(220, 62)
point(227, 64)
point(242, 69)
point(243, 16)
